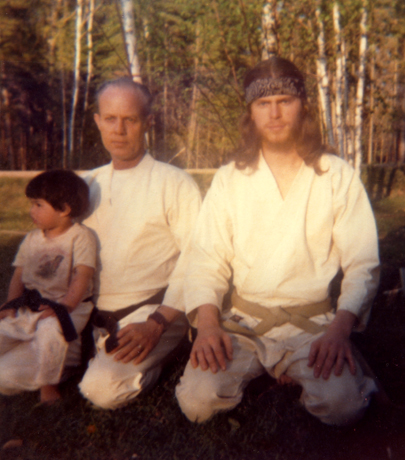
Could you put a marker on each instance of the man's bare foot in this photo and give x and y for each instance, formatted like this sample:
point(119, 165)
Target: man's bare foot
point(49, 394)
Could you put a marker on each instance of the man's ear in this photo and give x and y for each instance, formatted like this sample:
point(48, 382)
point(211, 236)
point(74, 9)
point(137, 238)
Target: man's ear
point(147, 122)
point(97, 120)
point(66, 210)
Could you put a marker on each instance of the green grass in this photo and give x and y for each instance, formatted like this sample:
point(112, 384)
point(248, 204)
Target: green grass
point(390, 214)
point(203, 181)
point(14, 206)
point(269, 423)
point(8, 248)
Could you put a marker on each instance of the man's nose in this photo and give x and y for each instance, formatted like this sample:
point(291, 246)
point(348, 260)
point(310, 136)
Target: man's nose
point(120, 126)
point(274, 110)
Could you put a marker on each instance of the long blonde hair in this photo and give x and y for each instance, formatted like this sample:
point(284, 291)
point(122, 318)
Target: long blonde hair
point(309, 142)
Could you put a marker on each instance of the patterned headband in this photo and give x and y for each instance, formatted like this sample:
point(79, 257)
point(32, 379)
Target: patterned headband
point(289, 86)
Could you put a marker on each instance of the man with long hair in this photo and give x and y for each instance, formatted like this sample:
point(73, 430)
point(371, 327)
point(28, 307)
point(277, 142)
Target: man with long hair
point(282, 220)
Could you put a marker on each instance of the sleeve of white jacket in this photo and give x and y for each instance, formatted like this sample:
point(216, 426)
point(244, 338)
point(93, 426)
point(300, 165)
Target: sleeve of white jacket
point(355, 236)
point(211, 251)
point(183, 205)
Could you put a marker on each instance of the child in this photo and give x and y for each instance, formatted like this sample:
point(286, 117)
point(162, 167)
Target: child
point(49, 297)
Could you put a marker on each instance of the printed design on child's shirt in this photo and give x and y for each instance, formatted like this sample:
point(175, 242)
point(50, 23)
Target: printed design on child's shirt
point(48, 266)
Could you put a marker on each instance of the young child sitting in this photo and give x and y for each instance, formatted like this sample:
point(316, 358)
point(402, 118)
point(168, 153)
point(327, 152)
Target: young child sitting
point(49, 297)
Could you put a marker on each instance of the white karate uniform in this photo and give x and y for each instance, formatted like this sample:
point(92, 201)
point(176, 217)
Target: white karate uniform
point(143, 217)
point(281, 252)
point(34, 352)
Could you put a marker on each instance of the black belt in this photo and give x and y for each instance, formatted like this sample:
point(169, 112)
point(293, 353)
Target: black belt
point(109, 319)
point(32, 299)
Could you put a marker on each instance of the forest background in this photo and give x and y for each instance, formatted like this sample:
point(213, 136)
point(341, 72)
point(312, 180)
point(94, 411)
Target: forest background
point(193, 56)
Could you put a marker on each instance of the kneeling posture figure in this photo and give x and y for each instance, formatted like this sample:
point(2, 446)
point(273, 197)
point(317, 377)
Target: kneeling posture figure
point(282, 219)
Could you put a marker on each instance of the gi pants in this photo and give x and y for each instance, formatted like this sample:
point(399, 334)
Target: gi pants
point(339, 400)
point(111, 384)
point(34, 352)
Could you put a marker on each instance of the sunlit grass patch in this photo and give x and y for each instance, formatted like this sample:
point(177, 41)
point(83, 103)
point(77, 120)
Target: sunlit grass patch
point(14, 206)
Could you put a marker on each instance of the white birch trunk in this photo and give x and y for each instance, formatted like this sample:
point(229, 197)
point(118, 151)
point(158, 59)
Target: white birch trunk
point(64, 122)
point(9, 129)
point(146, 34)
point(89, 69)
point(192, 127)
point(323, 83)
point(401, 123)
point(53, 34)
point(371, 124)
point(345, 102)
point(76, 80)
point(339, 80)
point(165, 93)
point(360, 89)
point(89, 53)
point(128, 24)
point(269, 34)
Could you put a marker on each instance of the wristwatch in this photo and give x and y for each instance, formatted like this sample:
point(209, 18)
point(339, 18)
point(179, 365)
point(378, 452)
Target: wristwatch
point(160, 319)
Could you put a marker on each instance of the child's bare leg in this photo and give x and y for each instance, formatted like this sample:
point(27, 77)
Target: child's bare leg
point(49, 394)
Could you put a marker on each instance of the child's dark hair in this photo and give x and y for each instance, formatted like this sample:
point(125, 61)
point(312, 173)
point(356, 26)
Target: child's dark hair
point(60, 187)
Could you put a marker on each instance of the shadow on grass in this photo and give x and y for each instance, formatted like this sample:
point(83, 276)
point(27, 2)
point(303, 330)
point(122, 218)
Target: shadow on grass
point(270, 422)
point(8, 248)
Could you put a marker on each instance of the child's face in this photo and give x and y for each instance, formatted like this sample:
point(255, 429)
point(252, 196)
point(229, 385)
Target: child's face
point(44, 215)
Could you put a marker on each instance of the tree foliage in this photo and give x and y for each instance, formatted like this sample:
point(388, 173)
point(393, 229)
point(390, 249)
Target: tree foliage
point(193, 56)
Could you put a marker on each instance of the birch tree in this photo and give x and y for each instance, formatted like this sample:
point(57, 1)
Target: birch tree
point(8, 125)
point(371, 109)
point(76, 82)
point(322, 74)
point(193, 124)
point(269, 30)
point(360, 89)
point(340, 77)
point(89, 34)
point(128, 30)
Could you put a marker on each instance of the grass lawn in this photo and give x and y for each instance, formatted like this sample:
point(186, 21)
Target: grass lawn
point(269, 423)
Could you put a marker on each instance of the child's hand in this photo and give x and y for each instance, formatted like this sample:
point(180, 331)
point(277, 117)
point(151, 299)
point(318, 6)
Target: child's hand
point(5, 313)
point(47, 311)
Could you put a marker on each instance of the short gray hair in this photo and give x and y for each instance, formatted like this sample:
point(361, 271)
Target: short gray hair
point(127, 82)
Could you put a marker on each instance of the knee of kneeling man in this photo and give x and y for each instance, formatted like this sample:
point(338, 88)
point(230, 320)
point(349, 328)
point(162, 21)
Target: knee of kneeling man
point(98, 394)
point(339, 410)
point(349, 416)
point(195, 409)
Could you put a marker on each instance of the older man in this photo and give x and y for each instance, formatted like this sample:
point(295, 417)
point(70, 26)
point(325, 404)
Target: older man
point(142, 213)
point(283, 218)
